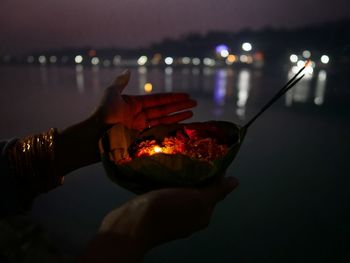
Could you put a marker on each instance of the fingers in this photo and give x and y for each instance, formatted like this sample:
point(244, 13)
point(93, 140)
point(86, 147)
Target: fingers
point(171, 119)
point(122, 80)
point(163, 110)
point(219, 190)
point(158, 99)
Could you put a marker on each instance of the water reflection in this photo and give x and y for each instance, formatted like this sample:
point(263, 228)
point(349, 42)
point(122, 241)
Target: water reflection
point(243, 92)
point(96, 79)
point(79, 76)
point(44, 76)
point(300, 92)
point(142, 78)
point(168, 79)
point(320, 87)
point(207, 79)
point(220, 86)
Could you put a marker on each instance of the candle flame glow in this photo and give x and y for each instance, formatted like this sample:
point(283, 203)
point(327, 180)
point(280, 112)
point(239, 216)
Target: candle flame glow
point(157, 149)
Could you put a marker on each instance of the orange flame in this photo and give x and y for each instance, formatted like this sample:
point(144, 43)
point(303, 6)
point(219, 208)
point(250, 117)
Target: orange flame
point(307, 63)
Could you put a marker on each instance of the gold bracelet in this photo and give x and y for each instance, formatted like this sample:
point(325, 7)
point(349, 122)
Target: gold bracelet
point(32, 162)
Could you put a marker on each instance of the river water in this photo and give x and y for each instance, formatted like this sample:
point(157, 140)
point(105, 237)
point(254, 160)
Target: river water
point(292, 204)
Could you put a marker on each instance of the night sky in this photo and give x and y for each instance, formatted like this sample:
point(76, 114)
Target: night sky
point(42, 24)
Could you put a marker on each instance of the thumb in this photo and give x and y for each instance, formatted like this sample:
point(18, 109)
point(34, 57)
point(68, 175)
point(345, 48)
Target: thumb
point(122, 80)
point(219, 190)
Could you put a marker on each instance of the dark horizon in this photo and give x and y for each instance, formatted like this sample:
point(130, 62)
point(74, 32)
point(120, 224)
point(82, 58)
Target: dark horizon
point(38, 25)
point(199, 41)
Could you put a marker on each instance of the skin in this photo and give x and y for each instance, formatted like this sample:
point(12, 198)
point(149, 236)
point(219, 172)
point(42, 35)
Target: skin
point(128, 232)
point(77, 145)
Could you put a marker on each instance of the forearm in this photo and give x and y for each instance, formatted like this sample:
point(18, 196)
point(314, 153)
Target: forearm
point(38, 162)
point(77, 145)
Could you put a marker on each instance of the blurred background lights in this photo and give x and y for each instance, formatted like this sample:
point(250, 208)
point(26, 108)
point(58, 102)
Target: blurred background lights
point(148, 87)
point(325, 59)
point(243, 58)
point(42, 59)
point(209, 62)
point(53, 59)
point(106, 63)
point(30, 59)
point(224, 53)
point(117, 60)
point(230, 59)
point(142, 60)
point(196, 61)
point(300, 63)
point(186, 60)
point(78, 59)
point(247, 46)
point(306, 54)
point(168, 60)
point(95, 61)
point(221, 48)
point(293, 58)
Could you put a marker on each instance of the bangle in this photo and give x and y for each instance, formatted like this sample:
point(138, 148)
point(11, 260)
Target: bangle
point(32, 162)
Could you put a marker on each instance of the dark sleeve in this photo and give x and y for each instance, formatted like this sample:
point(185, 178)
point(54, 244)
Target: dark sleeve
point(11, 202)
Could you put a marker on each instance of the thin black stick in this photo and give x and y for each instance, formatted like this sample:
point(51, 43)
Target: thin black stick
point(285, 88)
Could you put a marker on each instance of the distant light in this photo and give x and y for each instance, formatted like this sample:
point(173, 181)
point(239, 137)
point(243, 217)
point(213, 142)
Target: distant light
point(186, 60)
point(148, 87)
point(53, 59)
point(156, 59)
point(224, 53)
point(306, 54)
point(300, 64)
point(30, 59)
point(293, 58)
point(309, 70)
point(42, 59)
point(209, 62)
point(95, 61)
point(106, 63)
point(243, 58)
point(117, 60)
point(142, 60)
point(247, 46)
point(250, 59)
point(325, 59)
point(231, 59)
point(168, 60)
point(92, 53)
point(196, 61)
point(221, 48)
point(78, 59)
point(295, 69)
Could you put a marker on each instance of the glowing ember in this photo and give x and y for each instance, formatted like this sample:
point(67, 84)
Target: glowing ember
point(186, 142)
point(157, 149)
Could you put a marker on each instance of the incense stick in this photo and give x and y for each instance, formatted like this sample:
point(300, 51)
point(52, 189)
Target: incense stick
point(283, 90)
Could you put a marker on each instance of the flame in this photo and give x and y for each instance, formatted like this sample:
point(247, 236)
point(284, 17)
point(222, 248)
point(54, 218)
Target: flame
point(157, 149)
point(307, 63)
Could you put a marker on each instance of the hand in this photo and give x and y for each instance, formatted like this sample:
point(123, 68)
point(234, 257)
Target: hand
point(77, 146)
point(155, 218)
point(139, 112)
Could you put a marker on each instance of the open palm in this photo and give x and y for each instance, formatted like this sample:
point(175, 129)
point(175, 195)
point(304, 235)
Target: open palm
point(139, 112)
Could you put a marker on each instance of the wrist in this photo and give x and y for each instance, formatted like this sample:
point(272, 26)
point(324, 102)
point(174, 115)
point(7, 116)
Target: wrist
point(77, 145)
